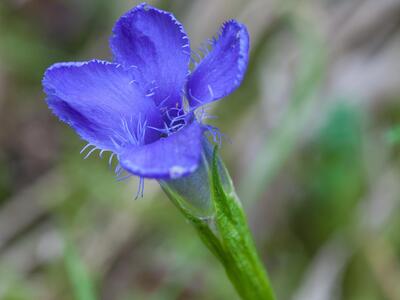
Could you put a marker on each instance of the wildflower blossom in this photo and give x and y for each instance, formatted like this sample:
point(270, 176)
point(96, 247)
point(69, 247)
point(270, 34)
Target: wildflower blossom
point(141, 106)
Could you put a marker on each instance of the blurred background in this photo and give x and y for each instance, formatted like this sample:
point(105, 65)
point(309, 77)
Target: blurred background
point(314, 150)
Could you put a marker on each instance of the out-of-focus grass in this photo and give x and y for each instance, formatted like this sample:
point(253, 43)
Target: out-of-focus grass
point(321, 170)
point(78, 275)
point(280, 143)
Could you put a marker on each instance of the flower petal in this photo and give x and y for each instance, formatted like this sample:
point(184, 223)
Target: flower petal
point(101, 101)
point(222, 70)
point(155, 42)
point(168, 158)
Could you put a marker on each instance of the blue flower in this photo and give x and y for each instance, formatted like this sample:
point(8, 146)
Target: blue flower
point(141, 106)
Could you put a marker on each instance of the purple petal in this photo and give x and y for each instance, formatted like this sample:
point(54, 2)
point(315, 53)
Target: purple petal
point(155, 42)
point(168, 158)
point(223, 69)
point(102, 102)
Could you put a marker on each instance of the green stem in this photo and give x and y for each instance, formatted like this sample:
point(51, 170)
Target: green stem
point(243, 264)
point(226, 234)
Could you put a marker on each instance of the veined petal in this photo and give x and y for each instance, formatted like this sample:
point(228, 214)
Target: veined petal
point(168, 158)
point(155, 42)
point(102, 102)
point(222, 70)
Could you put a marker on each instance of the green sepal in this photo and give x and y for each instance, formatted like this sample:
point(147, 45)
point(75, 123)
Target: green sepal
point(201, 224)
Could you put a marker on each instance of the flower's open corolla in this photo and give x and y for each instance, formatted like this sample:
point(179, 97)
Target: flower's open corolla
point(141, 106)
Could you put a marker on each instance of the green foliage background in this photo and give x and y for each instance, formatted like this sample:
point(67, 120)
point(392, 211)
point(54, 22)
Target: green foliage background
point(314, 150)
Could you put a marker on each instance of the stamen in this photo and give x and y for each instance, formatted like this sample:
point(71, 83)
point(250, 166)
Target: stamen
point(161, 130)
point(193, 97)
point(163, 101)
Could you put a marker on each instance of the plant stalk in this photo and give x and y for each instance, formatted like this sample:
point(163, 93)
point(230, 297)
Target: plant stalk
point(226, 234)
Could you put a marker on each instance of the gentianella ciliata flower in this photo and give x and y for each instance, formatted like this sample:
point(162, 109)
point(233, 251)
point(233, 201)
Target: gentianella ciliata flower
point(141, 106)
